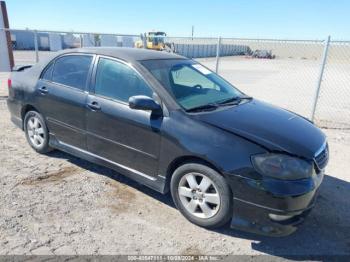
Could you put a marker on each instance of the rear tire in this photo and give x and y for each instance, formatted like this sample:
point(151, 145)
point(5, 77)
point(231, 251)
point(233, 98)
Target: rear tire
point(36, 132)
point(202, 195)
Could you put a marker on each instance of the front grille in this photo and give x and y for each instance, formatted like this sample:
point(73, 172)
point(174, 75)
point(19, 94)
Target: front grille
point(321, 158)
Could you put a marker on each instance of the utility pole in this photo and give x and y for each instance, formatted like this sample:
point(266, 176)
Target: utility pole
point(192, 31)
point(6, 61)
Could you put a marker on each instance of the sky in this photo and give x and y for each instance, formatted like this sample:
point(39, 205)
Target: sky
point(287, 19)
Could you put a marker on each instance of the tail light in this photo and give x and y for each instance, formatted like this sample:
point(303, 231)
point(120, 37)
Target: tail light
point(9, 83)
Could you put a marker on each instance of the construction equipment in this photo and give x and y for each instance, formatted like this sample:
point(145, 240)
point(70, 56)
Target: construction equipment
point(263, 54)
point(155, 41)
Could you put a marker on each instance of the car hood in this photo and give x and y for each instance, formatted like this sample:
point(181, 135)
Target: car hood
point(274, 128)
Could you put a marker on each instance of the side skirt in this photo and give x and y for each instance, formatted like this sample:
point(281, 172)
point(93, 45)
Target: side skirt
point(157, 183)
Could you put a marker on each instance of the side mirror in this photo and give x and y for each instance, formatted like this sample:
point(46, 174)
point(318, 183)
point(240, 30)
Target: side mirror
point(144, 103)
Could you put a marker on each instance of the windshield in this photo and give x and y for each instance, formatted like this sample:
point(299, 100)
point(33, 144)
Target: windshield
point(191, 84)
point(156, 37)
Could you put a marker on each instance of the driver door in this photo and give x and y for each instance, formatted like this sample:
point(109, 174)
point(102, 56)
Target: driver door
point(129, 138)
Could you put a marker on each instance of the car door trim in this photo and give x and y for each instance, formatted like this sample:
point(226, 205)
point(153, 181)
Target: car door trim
point(109, 161)
point(84, 132)
point(122, 145)
point(60, 123)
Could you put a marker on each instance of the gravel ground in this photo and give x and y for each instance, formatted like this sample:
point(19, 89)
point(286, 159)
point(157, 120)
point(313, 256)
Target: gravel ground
point(3, 84)
point(59, 204)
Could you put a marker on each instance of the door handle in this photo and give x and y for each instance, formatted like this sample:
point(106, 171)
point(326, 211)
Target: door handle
point(43, 90)
point(94, 105)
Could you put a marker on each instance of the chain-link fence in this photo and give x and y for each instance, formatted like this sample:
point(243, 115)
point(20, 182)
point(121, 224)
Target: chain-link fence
point(303, 76)
point(284, 73)
point(333, 104)
point(299, 75)
point(30, 46)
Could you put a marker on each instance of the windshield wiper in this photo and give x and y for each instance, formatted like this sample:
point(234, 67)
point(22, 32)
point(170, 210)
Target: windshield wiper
point(212, 106)
point(233, 100)
point(207, 107)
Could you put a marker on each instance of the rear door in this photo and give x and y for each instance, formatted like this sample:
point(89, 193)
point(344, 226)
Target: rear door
point(129, 138)
point(61, 97)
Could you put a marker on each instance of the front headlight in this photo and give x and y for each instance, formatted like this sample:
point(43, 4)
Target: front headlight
point(282, 166)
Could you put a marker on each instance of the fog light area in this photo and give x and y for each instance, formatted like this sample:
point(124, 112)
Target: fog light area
point(282, 217)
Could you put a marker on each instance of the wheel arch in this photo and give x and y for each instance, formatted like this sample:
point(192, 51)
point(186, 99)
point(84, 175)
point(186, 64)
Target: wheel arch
point(182, 160)
point(25, 109)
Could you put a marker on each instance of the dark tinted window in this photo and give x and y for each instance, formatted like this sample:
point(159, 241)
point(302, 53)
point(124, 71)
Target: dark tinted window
point(48, 72)
point(72, 70)
point(118, 81)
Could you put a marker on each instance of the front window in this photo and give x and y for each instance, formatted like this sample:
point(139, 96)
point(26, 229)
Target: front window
point(191, 84)
point(118, 81)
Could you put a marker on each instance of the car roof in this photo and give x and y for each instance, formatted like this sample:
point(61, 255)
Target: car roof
point(125, 53)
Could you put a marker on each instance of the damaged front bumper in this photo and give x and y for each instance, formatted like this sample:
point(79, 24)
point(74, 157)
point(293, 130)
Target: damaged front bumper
point(274, 207)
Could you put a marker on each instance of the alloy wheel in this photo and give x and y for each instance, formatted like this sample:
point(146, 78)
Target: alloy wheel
point(36, 131)
point(199, 195)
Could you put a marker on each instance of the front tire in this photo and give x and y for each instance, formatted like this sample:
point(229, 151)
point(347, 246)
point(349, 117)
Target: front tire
point(36, 132)
point(202, 195)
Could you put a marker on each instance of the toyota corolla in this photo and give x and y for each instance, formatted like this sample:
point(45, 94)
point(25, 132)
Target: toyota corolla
point(174, 125)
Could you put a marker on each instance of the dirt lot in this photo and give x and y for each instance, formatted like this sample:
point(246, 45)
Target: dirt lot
point(59, 204)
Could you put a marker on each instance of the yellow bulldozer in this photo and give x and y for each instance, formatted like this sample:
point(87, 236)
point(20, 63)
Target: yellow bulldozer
point(155, 41)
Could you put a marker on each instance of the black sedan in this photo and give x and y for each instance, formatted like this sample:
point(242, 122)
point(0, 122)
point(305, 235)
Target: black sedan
point(174, 125)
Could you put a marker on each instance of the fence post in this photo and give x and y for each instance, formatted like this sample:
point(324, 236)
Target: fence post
point(218, 46)
point(320, 77)
point(81, 40)
point(144, 38)
point(36, 47)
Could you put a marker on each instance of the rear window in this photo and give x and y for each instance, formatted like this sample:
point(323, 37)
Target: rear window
point(72, 70)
